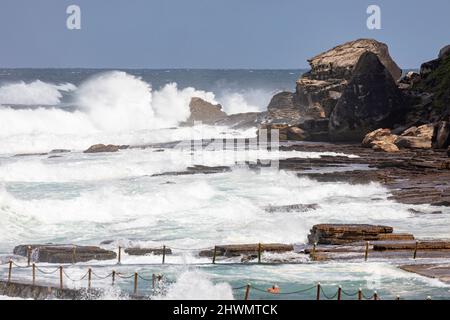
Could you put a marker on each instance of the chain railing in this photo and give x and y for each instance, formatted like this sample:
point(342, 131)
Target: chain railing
point(214, 254)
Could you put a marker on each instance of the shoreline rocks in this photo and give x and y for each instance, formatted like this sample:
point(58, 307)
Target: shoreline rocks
point(339, 234)
point(353, 87)
point(147, 251)
point(435, 271)
point(412, 138)
point(237, 250)
point(381, 140)
point(205, 112)
point(101, 148)
point(64, 253)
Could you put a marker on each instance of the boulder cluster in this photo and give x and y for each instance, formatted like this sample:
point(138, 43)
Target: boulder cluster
point(355, 92)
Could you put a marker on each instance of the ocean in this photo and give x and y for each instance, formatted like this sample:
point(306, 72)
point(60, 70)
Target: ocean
point(122, 198)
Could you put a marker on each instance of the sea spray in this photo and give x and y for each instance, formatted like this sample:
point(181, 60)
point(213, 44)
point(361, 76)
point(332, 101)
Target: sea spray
point(110, 107)
point(34, 93)
point(196, 285)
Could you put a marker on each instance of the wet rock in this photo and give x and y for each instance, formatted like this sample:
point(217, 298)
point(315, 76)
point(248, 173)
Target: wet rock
point(411, 245)
point(205, 112)
point(236, 250)
point(147, 251)
point(370, 101)
point(197, 169)
point(414, 211)
point(337, 234)
point(435, 271)
point(64, 253)
point(292, 208)
point(30, 154)
point(99, 148)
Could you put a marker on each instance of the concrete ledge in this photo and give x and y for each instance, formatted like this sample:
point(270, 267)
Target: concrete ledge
point(42, 292)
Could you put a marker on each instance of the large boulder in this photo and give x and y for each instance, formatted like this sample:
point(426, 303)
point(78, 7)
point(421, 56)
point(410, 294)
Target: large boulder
point(384, 135)
point(381, 140)
point(416, 137)
point(319, 90)
point(331, 71)
point(205, 112)
point(339, 62)
point(371, 100)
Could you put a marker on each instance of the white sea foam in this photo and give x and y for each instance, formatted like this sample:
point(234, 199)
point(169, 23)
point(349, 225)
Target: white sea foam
point(198, 211)
point(34, 93)
point(196, 285)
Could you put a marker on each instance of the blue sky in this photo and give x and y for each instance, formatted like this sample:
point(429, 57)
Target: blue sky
point(212, 33)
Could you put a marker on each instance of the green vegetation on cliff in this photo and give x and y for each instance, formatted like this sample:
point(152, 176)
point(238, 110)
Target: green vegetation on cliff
point(438, 83)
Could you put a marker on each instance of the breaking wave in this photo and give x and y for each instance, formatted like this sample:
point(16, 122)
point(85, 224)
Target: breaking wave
point(104, 106)
point(196, 285)
point(34, 93)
